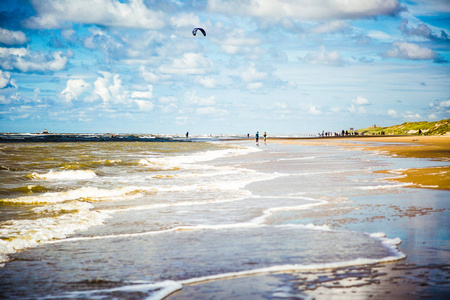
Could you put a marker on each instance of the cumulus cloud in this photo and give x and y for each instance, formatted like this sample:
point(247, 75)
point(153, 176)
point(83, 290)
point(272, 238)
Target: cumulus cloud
point(440, 107)
point(410, 51)
point(131, 14)
point(323, 57)
point(12, 38)
point(74, 88)
point(188, 64)
point(422, 30)
point(253, 78)
point(6, 81)
point(358, 105)
point(141, 98)
point(308, 10)
point(100, 40)
point(25, 60)
point(109, 88)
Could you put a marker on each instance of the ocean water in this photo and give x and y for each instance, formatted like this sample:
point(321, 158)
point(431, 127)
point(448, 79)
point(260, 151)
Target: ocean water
point(141, 219)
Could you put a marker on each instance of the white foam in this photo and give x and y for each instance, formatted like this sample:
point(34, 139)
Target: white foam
point(270, 211)
point(27, 233)
point(170, 162)
point(298, 158)
point(65, 175)
point(383, 186)
point(292, 268)
point(87, 193)
point(156, 291)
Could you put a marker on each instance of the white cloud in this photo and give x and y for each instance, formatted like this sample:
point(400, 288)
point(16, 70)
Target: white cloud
point(314, 109)
point(152, 77)
point(74, 88)
point(144, 105)
point(306, 9)
point(323, 57)
point(254, 85)
point(188, 64)
point(440, 107)
point(4, 100)
point(132, 14)
point(5, 79)
point(392, 112)
point(411, 115)
point(169, 99)
point(25, 60)
point(185, 20)
point(252, 74)
point(210, 111)
point(109, 88)
point(143, 95)
point(379, 35)
point(409, 51)
point(12, 38)
point(236, 42)
point(358, 104)
point(253, 78)
point(193, 99)
point(332, 27)
point(207, 82)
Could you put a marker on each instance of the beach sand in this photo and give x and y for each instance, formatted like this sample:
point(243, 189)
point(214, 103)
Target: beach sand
point(428, 147)
point(425, 272)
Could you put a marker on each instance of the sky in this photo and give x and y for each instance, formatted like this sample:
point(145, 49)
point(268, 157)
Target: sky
point(281, 66)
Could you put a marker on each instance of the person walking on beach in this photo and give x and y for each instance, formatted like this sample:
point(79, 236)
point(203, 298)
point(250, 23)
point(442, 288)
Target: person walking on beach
point(257, 137)
point(265, 137)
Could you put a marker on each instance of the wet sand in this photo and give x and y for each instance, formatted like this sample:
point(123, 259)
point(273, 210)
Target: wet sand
point(428, 147)
point(425, 273)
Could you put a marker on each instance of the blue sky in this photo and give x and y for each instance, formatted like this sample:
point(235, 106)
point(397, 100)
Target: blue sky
point(281, 66)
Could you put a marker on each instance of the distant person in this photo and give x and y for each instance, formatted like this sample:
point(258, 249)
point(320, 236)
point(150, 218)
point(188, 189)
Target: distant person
point(248, 135)
point(265, 137)
point(257, 136)
point(187, 134)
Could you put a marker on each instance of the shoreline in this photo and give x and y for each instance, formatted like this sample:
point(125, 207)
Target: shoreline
point(435, 148)
point(416, 276)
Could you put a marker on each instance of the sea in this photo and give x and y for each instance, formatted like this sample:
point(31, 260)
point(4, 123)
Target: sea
point(144, 217)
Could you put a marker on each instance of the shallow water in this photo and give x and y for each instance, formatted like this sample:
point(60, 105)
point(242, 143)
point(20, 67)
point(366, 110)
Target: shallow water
point(142, 219)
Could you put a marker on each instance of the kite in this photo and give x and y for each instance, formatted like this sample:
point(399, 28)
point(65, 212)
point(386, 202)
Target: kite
point(194, 32)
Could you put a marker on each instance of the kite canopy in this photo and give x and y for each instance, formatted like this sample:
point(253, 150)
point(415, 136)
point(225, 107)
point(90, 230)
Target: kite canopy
point(194, 32)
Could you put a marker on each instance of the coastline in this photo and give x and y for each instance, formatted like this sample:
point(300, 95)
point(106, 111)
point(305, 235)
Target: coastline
point(427, 147)
point(422, 274)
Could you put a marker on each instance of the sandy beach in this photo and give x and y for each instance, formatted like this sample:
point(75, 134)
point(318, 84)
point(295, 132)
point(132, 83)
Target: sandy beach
point(427, 147)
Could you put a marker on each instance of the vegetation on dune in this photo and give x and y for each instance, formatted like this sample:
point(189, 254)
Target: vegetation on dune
point(410, 128)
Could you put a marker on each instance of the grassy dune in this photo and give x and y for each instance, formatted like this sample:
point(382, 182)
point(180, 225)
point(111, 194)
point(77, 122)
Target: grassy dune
point(411, 128)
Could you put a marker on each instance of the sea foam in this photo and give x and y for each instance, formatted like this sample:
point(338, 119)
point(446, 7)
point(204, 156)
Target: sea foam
point(65, 175)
